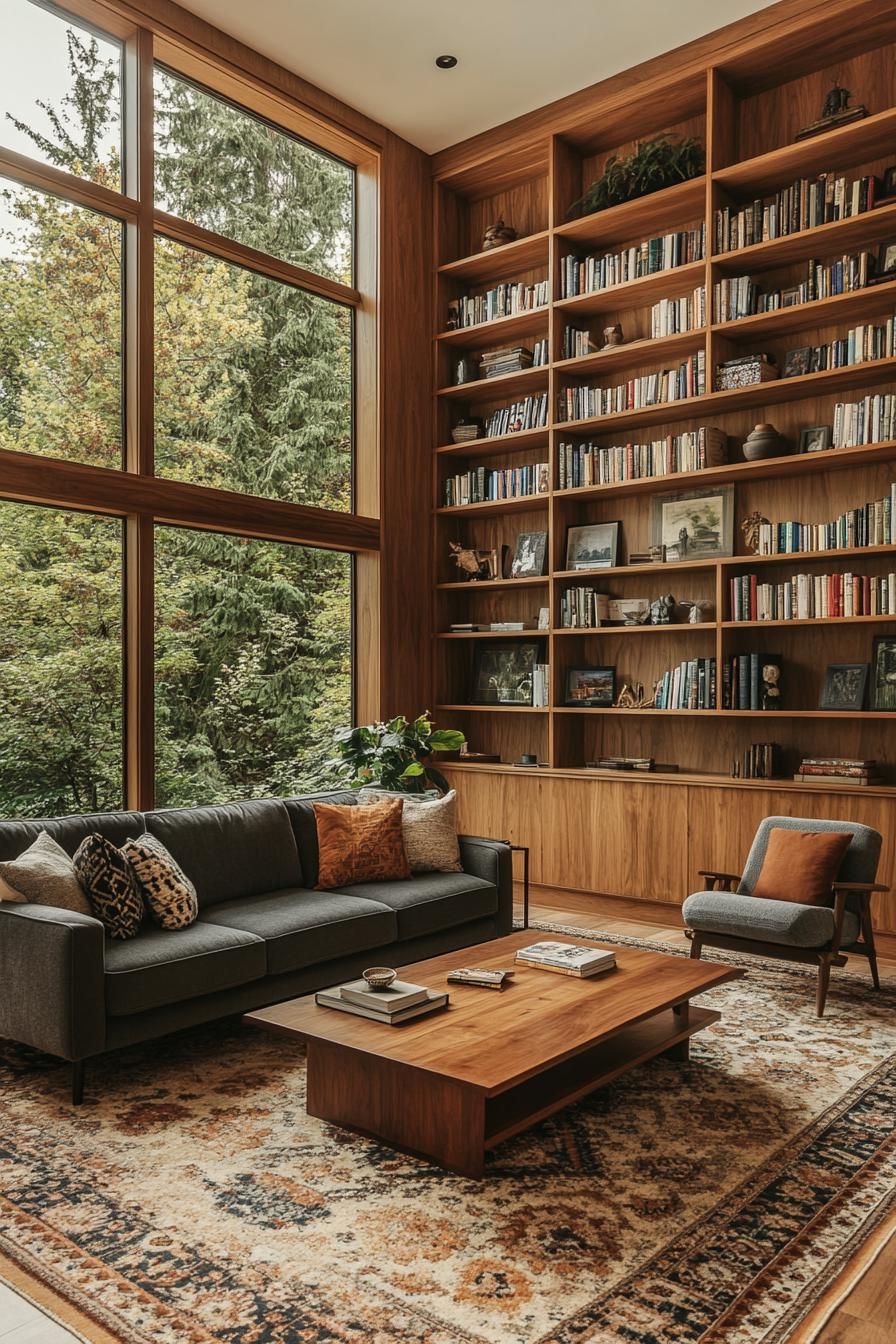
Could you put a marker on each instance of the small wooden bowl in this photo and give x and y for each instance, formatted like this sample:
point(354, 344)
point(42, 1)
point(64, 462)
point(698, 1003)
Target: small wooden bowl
point(379, 977)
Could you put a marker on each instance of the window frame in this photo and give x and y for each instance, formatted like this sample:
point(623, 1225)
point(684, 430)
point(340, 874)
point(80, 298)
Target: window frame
point(135, 494)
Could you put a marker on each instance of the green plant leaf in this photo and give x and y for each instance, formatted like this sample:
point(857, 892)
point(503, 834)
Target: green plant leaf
point(446, 739)
point(412, 771)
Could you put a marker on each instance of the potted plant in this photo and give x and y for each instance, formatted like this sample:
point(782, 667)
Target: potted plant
point(395, 755)
point(652, 166)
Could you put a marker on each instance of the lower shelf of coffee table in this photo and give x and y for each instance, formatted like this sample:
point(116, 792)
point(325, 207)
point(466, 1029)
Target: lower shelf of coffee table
point(527, 1103)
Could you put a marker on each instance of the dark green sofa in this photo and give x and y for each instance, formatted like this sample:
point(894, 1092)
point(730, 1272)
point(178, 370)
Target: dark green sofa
point(263, 934)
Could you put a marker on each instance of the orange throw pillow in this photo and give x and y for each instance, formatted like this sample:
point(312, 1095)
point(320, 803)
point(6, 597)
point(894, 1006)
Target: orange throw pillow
point(360, 844)
point(801, 865)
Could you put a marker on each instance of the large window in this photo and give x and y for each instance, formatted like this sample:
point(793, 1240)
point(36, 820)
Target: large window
point(184, 338)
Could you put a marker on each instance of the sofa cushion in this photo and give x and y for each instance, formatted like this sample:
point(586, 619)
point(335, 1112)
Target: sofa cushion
point(233, 850)
point(160, 967)
point(112, 888)
point(43, 875)
point(301, 927)
point(304, 825)
point(16, 836)
point(800, 866)
point(360, 844)
point(169, 894)
point(767, 921)
point(431, 901)
point(429, 829)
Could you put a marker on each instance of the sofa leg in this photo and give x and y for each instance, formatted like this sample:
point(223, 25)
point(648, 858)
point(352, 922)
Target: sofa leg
point(824, 977)
point(77, 1082)
point(696, 946)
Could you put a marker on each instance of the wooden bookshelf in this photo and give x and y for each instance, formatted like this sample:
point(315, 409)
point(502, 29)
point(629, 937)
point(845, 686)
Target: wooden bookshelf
point(747, 114)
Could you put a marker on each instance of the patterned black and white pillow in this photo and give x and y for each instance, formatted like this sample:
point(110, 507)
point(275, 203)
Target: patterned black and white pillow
point(168, 892)
point(112, 888)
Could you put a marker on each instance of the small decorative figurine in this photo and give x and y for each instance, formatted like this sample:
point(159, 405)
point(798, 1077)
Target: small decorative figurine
point(633, 697)
point(750, 528)
point(696, 608)
point(472, 563)
point(836, 102)
point(771, 691)
point(612, 336)
point(764, 441)
point(835, 112)
point(497, 235)
point(661, 609)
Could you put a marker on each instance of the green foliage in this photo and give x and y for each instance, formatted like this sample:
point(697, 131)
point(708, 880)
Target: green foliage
point(252, 393)
point(652, 165)
point(394, 755)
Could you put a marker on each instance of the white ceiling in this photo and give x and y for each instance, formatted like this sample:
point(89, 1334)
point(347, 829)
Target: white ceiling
point(513, 55)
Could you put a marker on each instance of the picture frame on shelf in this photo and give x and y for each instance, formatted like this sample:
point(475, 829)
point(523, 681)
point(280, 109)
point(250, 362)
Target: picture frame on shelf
point(816, 438)
point(592, 546)
point(844, 686)
point(886, 259)
point(590, 687)
point(883, 673)
point(797, 362)
point(694, 524)
point(888, 184)
point(504, 671)
point(529, 555)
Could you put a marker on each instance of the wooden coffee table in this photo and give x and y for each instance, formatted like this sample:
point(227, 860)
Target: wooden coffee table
point(451, 1085)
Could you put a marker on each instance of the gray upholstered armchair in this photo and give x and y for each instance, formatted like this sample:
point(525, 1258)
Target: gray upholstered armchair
point(728, 915)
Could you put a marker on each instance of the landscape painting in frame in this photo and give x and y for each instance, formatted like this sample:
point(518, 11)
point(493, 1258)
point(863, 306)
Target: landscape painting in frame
point(503, 672)
point(695, 525)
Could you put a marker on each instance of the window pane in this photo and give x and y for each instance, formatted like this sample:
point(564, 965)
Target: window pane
point(75, 74)
point(253, 666)
point(60, 662)
point(253, 382)
point(60, 329)
point(221, 167)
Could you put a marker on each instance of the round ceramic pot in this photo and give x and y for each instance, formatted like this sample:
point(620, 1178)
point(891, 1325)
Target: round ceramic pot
point(764, 441)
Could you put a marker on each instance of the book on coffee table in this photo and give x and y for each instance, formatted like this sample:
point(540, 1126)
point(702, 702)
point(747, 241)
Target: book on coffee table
point(567, 958)
point(331, 998)
point(400, 994)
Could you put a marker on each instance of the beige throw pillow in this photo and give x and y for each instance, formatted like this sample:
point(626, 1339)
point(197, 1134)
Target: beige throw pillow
point(428, 828)
point(43, 875)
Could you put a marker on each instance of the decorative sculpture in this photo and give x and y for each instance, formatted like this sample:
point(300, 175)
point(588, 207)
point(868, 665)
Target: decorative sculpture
point(696, 607)
point(661, 609)
point(771, 691)
point(633, 697)
point(497, 234)
point(473, 563)
point(750, 528)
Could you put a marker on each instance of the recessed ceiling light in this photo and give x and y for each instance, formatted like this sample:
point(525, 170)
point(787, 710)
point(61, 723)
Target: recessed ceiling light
point(446, 62)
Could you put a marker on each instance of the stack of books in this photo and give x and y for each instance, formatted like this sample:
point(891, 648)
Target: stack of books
point(480, 977)
point(400, 1002)
point(567, 959)
point(645, 763)
point(509, 359)
point(827, 770)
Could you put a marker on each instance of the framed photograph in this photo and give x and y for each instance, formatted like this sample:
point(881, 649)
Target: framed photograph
point(816, 438)
point(544, 618)
point(504, 671)
point(593, 546)
point(797, 362)
point(529, 555)
point(695, 524)
point(628, 610)
point(844, 686)
point(591, 686)
point(883, 673)
point(886, 258)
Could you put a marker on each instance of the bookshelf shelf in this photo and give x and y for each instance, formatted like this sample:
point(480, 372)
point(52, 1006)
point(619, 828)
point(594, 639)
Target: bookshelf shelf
point(524, 254)
point(635, 293)
point(741, 112)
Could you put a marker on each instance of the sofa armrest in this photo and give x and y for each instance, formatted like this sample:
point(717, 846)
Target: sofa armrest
point(726, 881)
point(492, 861)
point(52, 994)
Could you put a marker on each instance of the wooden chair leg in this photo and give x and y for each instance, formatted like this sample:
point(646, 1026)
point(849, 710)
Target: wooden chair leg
point(868, 940)
point(824, 977)
point(77, 1082)
point(696, 946)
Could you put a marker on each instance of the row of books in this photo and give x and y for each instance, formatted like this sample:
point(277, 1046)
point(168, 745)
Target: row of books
point(743, 680)
point(501, 301)
point(512, 359)
point(585, 275)
point(860, 345)
point(869, 525)
point(761, 760)
point(824, 771)
point(541, 685)
point(671, 316)
point(651, 389)
point(529, 413)
point(806, 597)
point(582, 464)
point(869, 420)
point(690, 685)
point(482, 484)
point(742, 296)
point(803, 205)
point(583, 609)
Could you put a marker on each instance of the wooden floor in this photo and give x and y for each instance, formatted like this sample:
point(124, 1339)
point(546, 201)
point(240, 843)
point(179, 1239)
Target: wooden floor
point(868, 1314)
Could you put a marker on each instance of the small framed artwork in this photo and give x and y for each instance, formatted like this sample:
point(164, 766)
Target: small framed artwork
point(883, 673)
point(593, 546)
point(888, 185)
point(594, 687)
point(504, 671)
point(886, 259)
point(544, 618)
point(816, 438)
point(695, 524)
point(844, 686)
point(797, 362)
point(529, 555)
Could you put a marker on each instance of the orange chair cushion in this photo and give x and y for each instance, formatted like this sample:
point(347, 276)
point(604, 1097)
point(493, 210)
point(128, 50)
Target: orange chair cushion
point(801, 865)
point(360, 844)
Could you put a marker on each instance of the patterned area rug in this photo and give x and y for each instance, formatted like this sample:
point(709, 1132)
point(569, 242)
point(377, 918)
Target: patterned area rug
point(191, 1198)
